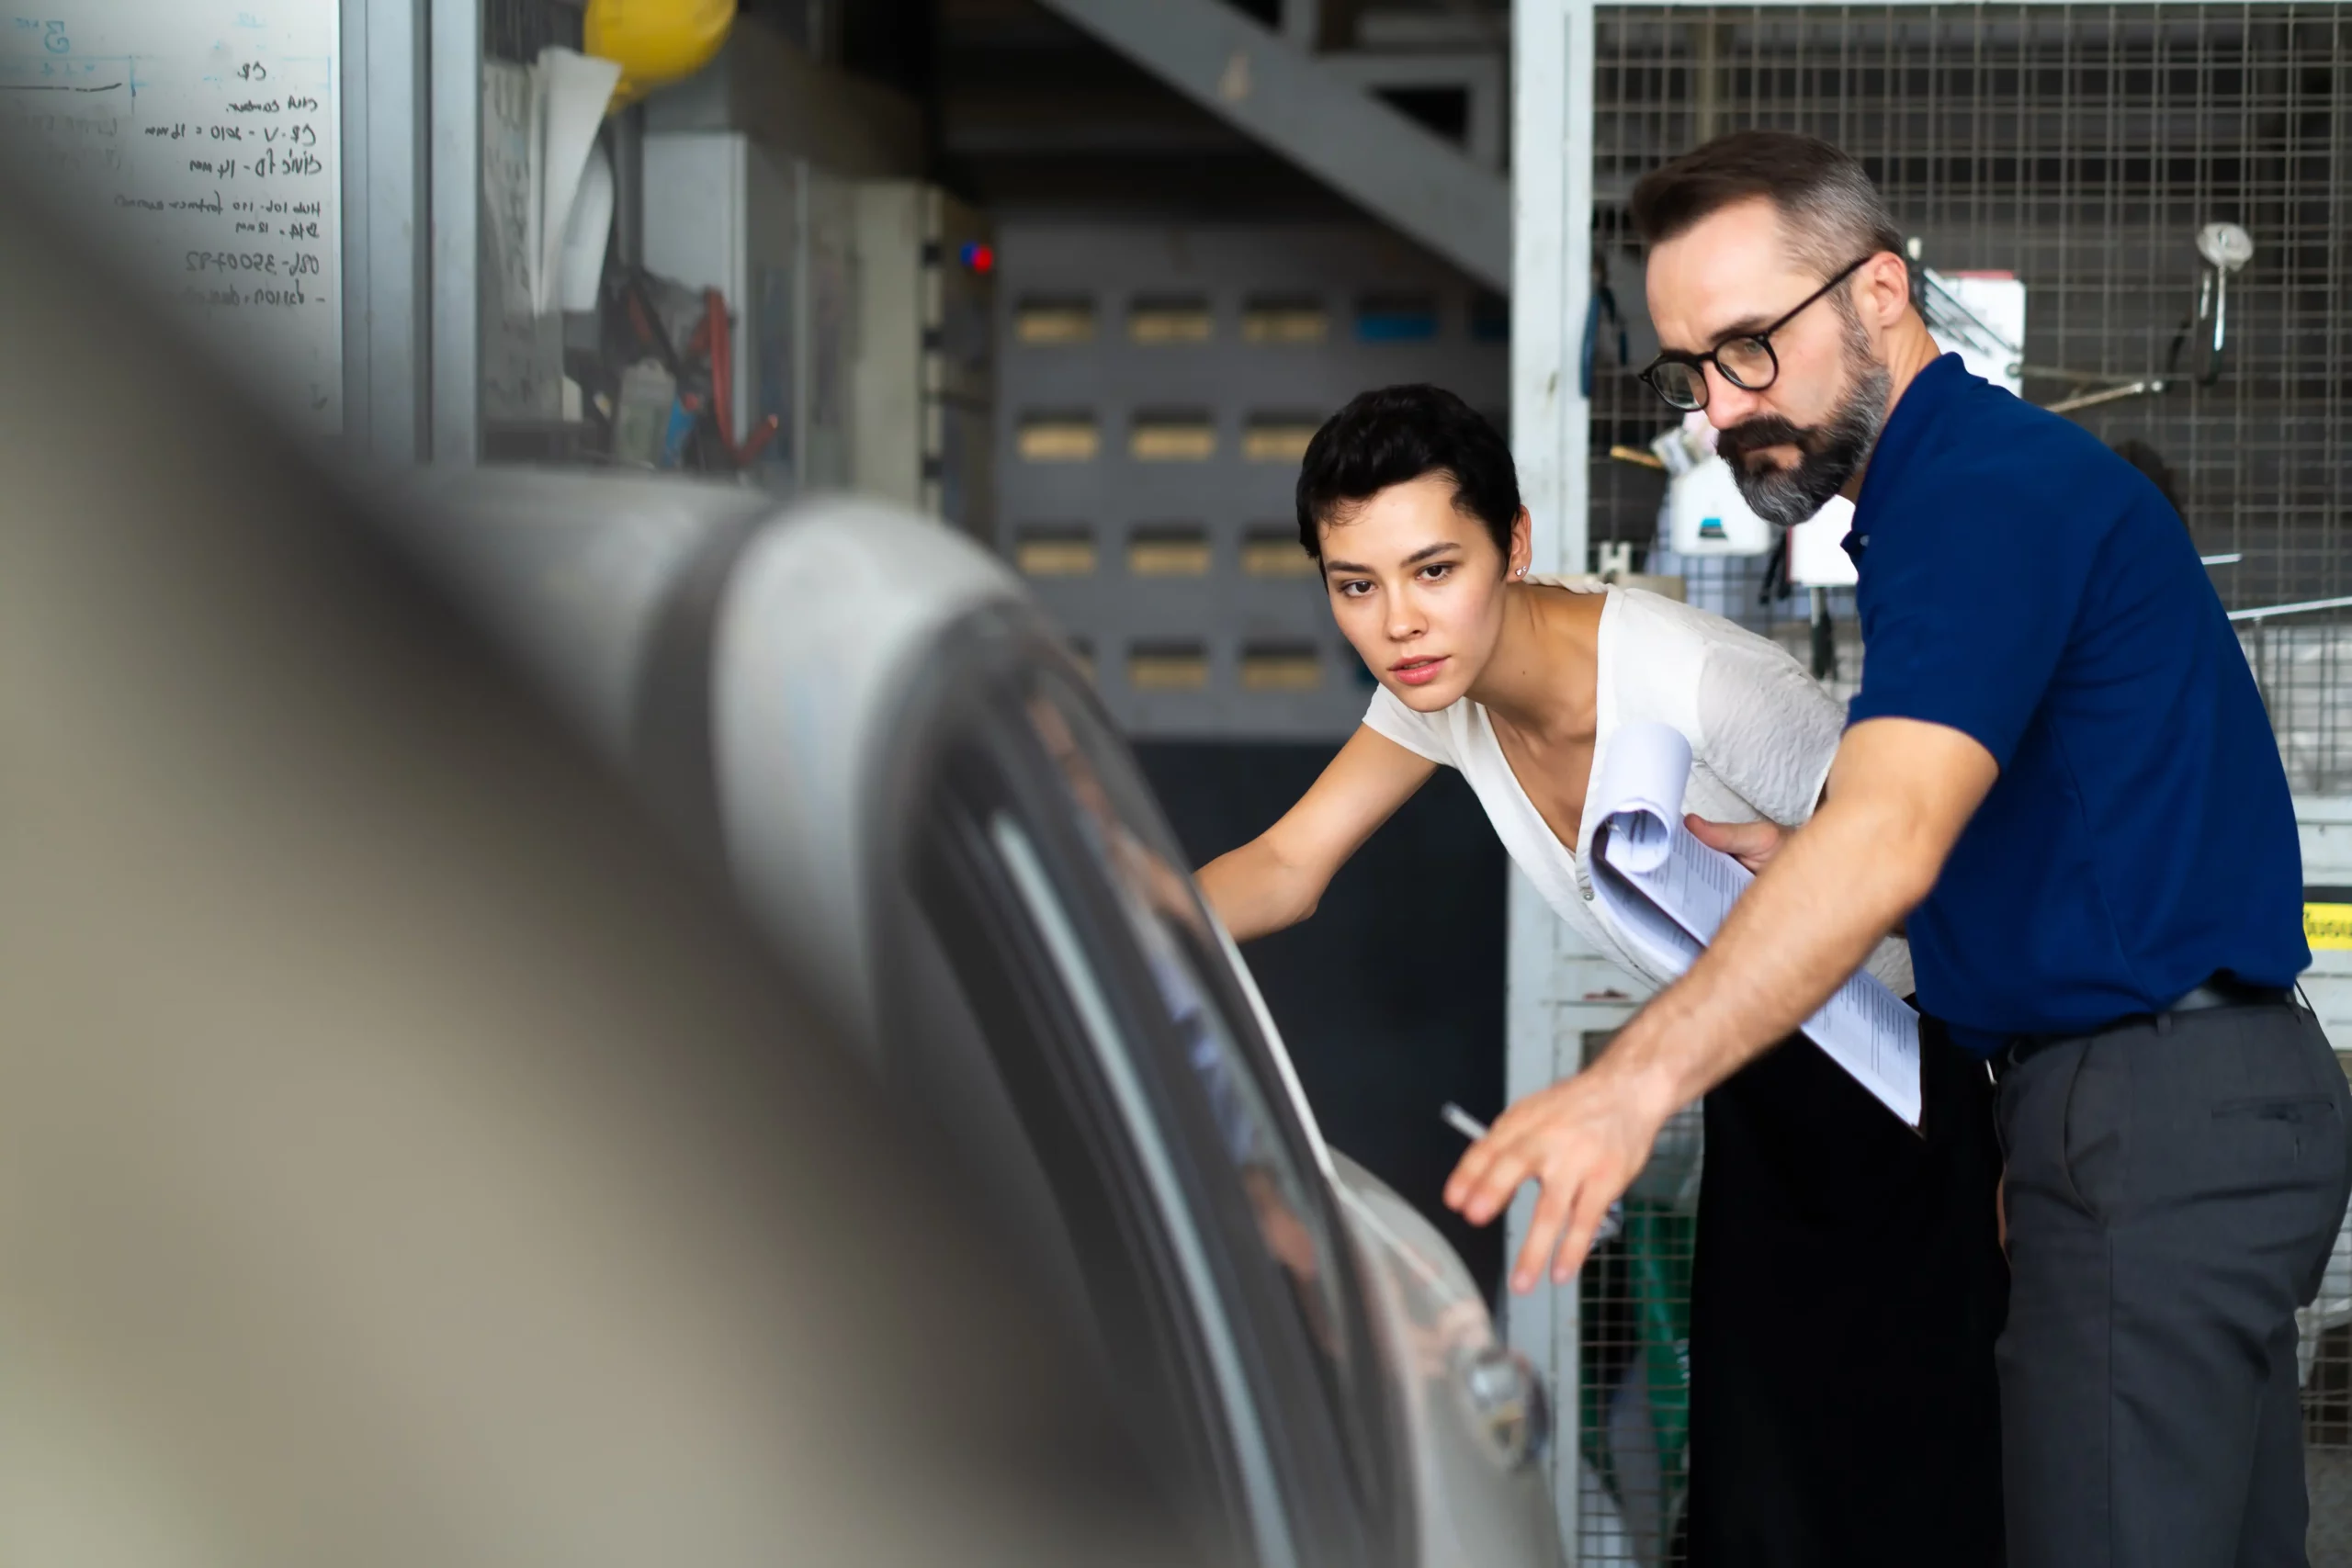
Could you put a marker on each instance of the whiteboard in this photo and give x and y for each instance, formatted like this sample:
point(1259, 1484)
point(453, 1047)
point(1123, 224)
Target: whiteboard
point(202, 139)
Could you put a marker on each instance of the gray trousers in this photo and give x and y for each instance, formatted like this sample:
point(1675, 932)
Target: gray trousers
point(2174, 1191)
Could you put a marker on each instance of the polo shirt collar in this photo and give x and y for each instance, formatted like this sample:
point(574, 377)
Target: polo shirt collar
point(1937, 382)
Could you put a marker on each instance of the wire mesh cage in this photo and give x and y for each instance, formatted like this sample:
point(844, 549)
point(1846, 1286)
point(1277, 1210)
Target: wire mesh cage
point(1634, 1404)
point(2084, 151)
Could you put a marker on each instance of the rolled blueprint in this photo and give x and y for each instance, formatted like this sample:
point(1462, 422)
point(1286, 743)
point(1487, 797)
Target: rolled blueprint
point(1667, 894)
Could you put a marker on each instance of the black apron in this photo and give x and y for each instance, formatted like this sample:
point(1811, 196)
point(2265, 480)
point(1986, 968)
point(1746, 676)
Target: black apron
point(1846, 1293)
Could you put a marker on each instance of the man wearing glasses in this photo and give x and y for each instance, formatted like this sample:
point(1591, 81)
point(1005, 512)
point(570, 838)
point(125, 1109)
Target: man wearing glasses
point(2058, 777)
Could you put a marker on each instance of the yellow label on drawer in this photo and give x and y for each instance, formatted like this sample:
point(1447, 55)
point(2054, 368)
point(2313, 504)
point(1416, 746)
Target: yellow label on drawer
point(2328, 927)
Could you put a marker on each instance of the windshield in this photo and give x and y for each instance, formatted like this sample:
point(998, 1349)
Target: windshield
point(1233, 1070)
point(1168, 1162)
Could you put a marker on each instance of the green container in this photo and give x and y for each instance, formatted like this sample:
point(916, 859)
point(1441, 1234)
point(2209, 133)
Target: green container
point(1657, 1244)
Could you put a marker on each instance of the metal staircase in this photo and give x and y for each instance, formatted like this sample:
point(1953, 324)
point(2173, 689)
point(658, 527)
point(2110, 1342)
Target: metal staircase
point(1327, 112)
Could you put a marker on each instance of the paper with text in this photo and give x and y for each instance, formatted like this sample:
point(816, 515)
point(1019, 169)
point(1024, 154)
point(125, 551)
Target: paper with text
point(201, 142)
point(1668, 894)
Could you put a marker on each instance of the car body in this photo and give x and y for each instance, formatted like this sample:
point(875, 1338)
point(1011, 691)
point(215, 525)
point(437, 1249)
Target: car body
point(401, 1161)
point(865, 721)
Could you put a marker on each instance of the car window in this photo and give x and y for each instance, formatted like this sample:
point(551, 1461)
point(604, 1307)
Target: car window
point(1186, 1228)
point(1011, 994)
point(944, 1067)
point(1193, 1196)
point(1242, 1087)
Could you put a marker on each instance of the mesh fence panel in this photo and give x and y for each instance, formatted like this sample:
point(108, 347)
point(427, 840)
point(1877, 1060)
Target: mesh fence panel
point(2080, 148)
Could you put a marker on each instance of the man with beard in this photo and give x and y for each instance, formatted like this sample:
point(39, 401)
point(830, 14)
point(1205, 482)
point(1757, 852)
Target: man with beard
point(2058, 774)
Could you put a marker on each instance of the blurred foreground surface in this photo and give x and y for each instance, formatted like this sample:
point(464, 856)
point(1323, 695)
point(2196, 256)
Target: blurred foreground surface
point(402, 1157)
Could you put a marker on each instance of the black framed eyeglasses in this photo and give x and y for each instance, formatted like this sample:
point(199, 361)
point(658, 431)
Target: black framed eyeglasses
point(1747, 362)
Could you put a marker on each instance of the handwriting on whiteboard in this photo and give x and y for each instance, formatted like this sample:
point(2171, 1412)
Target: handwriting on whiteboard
point(202, 142)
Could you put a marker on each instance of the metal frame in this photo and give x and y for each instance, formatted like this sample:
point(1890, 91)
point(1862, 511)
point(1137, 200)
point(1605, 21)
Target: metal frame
point(384, 263)
point(1552, 138)
point(1558, 994)
point(1477, 74)
point(412, 111)
point(455, 52)
point(1525, 6)
point(1267, 85)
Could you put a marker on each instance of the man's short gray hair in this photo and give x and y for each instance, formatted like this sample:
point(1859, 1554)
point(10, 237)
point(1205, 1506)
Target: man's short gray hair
point(1831, 212)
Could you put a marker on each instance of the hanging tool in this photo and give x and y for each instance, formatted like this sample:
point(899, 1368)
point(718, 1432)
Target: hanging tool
point(702, 431)
point(1952, 320)
point(2226, 249)
point(713, 345)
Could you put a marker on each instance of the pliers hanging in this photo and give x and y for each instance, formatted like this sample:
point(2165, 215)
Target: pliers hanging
point(705, 374)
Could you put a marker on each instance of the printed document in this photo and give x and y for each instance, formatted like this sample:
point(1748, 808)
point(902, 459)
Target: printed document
point(1668, 894)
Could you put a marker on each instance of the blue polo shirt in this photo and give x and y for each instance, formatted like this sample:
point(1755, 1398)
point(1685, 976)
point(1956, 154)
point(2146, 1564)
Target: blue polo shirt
point(2024, 585)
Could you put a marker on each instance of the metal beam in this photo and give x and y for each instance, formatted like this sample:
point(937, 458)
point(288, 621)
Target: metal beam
point(1276, 92)
point(455, 93)
point(1302, 22)
point(1477, 75)
point(1546, 1006)
point(384, 225)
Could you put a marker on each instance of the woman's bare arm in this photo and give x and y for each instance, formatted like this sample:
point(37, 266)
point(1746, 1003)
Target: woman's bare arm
point(1276, 879)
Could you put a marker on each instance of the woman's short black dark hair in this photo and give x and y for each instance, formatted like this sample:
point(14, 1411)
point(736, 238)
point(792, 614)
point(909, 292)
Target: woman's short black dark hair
point(1393, 437)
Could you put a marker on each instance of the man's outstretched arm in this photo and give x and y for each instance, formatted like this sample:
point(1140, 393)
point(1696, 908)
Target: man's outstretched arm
point(1899, 795)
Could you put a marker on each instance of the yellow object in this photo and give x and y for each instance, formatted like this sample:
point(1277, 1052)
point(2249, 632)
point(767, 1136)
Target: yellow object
point(1059, 439)
point(1278, 440)
point(655, 42)
point(1055, 555)
point(1168, 669)
point(1163, 322)
point(1280, 669)
point(1055, 321)
point(1277, 320)
point(1173, 439)
point(1169, 552)
point(2328, 927)
point(1275, 553)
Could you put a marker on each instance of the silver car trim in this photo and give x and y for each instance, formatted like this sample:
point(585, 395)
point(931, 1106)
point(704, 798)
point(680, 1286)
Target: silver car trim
point(1275, 1048)
point(1397, 1245)
point(1268, 1524)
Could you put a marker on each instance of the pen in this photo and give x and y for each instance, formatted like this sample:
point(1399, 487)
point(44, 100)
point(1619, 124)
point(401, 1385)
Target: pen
point(1470, 1127)
point(1462, 1121)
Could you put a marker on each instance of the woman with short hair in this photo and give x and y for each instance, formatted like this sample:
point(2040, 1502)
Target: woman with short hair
point(1849, 1284)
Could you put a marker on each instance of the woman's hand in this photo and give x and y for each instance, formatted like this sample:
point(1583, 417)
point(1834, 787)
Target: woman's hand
point(1750, 843)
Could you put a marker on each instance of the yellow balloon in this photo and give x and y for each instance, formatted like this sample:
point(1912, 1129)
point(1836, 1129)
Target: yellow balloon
point(655, 42)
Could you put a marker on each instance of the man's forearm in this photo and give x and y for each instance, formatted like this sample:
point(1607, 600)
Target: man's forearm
point(1905, 792)
point(1824, 903)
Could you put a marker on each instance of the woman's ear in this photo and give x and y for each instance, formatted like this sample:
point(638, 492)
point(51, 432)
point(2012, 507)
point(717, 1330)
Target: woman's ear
point(1522, 546)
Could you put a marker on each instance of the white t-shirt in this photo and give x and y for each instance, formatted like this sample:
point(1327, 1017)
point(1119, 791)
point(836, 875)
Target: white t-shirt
point(1762, 735)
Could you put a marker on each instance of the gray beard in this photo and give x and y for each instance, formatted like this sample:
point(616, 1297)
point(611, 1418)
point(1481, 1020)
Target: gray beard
point(1832, 453)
